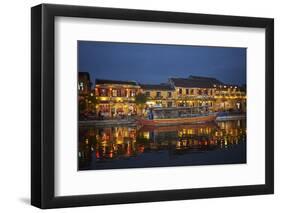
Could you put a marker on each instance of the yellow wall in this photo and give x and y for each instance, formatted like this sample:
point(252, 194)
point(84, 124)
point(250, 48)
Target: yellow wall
point(195, 91)
point(217, 98)
point(164, 94)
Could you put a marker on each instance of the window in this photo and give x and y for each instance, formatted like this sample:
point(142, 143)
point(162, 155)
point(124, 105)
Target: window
point(81, 86)
point(187, 91)
point(132, 93)
point(205, 92)
point(119, 92)
point(180, 91)
point(169, 104)
point(103, 92)
point(114, 93)
point(147, 94)
point(169, 94)
point(158, 94)
point(191, 92)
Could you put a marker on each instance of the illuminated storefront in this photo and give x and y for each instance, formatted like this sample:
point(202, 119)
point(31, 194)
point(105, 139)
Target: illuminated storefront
point(197, 91)
point(116, 98)
point(159, 95)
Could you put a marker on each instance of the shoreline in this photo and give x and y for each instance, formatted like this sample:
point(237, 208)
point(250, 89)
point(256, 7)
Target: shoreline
point(133, 122)
point(231, 117)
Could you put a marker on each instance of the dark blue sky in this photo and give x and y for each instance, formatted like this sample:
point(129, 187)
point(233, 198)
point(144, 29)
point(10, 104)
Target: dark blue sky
point(150, 63)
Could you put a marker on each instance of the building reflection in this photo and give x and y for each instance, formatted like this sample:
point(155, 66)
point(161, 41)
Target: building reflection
point(111, 143)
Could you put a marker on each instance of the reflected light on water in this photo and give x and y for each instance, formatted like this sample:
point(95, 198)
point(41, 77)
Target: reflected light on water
point(112, 144)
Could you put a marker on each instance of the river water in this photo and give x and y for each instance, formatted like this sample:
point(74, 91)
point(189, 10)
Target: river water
point(119, 147)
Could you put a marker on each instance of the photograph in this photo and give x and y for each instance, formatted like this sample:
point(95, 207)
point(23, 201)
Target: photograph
point(138, 105)
point(158, 105)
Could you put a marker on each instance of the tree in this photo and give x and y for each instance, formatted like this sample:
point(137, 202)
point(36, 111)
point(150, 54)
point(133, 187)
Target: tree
point(140, 100)
point(82, 106)
point(93, 101)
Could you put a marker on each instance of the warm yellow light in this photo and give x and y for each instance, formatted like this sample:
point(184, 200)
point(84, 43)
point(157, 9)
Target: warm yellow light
point(189, 131)
point(103, 98)
point(150, 103)
point(146, 135)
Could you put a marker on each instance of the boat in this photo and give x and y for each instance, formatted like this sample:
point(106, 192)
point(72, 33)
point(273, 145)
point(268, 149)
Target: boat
point(179, 127)
point(159, 116)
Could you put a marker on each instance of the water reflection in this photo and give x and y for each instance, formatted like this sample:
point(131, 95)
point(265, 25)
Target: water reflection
point(135, 147)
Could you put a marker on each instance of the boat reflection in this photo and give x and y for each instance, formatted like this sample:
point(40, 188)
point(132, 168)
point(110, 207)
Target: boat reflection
point(99, 147)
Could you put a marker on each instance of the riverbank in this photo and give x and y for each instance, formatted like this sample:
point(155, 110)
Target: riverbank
point(231, 117)
point(115, 122)
point(133, 121)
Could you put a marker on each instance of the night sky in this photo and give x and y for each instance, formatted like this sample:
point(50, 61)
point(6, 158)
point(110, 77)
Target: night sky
point(152, 64)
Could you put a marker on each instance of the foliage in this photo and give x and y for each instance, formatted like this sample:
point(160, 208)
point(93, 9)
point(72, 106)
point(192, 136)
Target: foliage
point(92, 99)
point(141, 99)
point(82, 106)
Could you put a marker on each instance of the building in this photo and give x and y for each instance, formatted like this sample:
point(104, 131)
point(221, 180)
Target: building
point(205, 91)
point(84, 83)
point(194, 91)
point(113, 98)
point(85, 96)
point(161, 95)
point(116, 98)
point(230, 97)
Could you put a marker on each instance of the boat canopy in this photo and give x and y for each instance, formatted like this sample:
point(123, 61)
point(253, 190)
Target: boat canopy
point(179, 112)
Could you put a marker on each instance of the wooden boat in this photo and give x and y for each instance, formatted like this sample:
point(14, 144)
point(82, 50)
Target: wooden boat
point(177, 115)
point(178, 127)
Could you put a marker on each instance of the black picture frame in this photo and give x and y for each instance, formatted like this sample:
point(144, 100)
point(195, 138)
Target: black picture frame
point(43, 102)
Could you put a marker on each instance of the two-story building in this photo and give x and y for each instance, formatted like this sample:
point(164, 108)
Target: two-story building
point(205, 91)
point(116, 98)
point(161, 95)
point(113, 98)
point(194, 91)
point(230, 97)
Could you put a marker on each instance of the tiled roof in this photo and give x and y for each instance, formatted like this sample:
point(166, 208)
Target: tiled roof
point(196, 82)
point(166, 87)
point(105, 81)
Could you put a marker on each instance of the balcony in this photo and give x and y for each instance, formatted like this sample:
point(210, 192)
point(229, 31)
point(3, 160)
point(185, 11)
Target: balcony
point(116, 99)
point(195, 97)
point(158, 97)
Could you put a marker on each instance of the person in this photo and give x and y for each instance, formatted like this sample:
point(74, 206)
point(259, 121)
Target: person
point(150, 114)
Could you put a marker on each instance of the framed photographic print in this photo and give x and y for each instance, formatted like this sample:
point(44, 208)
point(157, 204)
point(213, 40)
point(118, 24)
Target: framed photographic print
point(139, 106)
